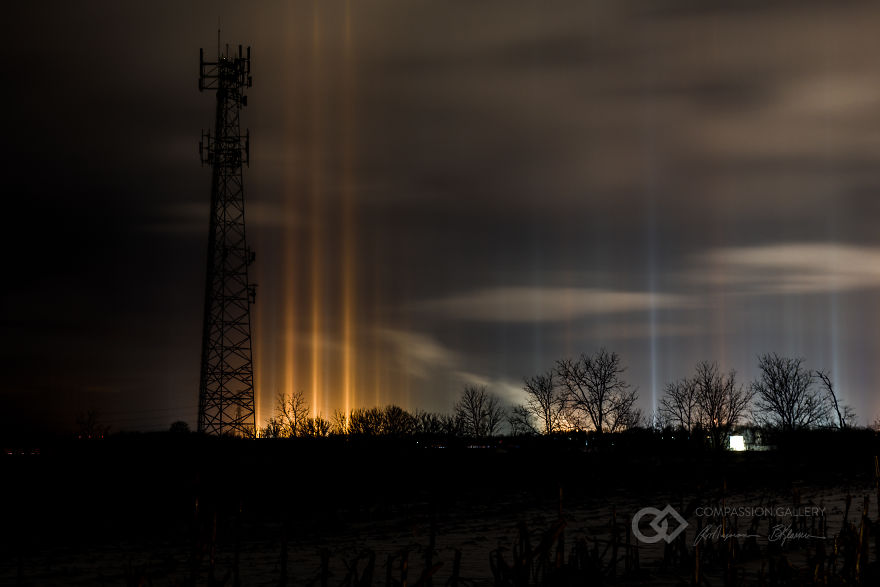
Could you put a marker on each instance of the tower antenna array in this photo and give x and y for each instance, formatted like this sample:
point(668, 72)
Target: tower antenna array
point(226, 384)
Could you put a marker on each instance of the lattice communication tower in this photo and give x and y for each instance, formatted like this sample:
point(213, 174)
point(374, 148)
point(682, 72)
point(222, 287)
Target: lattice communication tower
point(226, 385)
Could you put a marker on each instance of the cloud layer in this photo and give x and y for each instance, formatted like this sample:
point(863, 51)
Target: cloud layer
point(792, 268)
point(545, 304)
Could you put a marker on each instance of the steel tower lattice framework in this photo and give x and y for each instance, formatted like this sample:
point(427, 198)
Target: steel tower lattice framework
point(226, 386)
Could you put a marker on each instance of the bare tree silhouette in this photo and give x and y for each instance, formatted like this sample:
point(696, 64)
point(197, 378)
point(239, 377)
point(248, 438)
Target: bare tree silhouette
point(179, 427)
point(340, 422)
point(594, 385)
point(365, 422)
point(428, 423)
point(398, 422)
point(317, 427)
point(721, 401)
point(520, 421)
point(544, 400)
point(90, 426)
point(479, 411)
point(452, 425)
point(678, 406)
point(292, 412)
point(786, 396)
point(272, 429)
point(845, 414)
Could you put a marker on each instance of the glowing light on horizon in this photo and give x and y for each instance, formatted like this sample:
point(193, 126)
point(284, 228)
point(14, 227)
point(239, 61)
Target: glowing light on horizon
point(737, 443)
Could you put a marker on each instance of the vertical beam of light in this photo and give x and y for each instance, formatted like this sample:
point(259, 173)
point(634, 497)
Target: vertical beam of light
point(833, 212)
point(317, 290)
point(652, 281)
point(568, 335)
point(836, 334)
point(537, 330)
point(377, 295)
point(290, 300)
point(719, 300)
point(258, 357)
point(650, 174)
point(651, 244)
point(652, 289)
point(263, 356)
point(833, 318)
point(348, 227)
point(718, 309)
point(830, 187)
point(290, 304)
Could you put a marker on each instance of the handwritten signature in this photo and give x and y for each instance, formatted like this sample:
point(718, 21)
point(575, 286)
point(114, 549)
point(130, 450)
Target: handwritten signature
point(780, 533)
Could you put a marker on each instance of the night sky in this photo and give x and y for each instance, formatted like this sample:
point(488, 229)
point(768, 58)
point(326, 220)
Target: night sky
point(440, 193)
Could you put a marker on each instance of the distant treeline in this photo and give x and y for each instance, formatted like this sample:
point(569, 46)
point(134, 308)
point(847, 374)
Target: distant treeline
point(589, 395)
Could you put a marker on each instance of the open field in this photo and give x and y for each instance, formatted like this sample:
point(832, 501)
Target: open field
point(166, 510)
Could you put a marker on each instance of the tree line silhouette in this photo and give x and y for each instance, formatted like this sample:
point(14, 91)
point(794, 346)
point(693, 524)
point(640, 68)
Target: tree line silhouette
point(589, 394)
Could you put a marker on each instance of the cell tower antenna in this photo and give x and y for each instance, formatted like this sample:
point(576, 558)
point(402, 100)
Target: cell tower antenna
point(226, 383)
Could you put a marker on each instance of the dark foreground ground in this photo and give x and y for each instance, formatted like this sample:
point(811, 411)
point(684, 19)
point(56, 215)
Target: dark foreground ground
point(182, 510)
